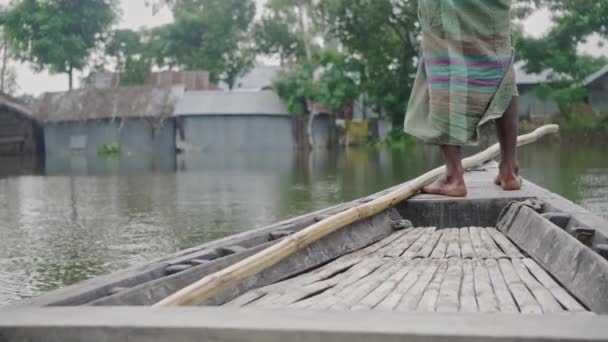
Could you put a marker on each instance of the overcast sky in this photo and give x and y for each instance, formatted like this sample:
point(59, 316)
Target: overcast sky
point(137, 15)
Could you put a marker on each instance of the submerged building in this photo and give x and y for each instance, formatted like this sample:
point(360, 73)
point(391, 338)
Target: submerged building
point(133, 120)
point(20, 132)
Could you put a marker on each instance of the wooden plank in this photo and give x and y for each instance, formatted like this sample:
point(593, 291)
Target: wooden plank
point(569, 302)
point(466, 246)
point(379, 294)
point(450, 288)
point(430, 297)
point(484, 293)
point(501, 290)
point(505, 244)
point(385, 244)
point(468, 301)
point(394, 298)
point(493, 250)
point(577, 267)
point(546, 300)
point(412, 297)
point(453, 250)
point(330, 297)
point(364, 287)
point(297, 294)
point(402, 244)
point(419, 244)
point(524, 299)
point(478, 246)
point(441, 247)
point(246, 299)
point(428, 247)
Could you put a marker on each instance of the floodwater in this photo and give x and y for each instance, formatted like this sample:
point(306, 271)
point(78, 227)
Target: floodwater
point(69, 220)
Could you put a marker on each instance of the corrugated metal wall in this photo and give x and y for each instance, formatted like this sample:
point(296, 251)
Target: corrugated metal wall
point(135, 136)
point(237, 132)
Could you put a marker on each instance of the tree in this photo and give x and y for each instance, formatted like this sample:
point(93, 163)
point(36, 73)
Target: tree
point(131, 54)
point(212, 35)
point(58, 35)
point(383, 35)
point(8, 74)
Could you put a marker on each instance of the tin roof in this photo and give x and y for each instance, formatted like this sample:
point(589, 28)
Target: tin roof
point(595, 76)
point(122, 102)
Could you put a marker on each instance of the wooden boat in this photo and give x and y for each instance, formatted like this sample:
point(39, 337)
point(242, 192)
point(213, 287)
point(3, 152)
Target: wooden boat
point(507, 266)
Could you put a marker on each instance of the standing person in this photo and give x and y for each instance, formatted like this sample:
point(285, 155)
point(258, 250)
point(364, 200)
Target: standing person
point(465, 79)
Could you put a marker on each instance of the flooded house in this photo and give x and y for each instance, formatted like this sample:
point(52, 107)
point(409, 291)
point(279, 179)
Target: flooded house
point(532, 105)
point(127, 120)
point(20, 132)
point(597, 89)
point(234, 121)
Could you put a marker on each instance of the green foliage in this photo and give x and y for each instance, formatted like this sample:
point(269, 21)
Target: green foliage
point(276, 34)
point(132, 56)
point(58, 35)
point(109, 150)
point(383, 35)
point(331, 79)
point(209, 35)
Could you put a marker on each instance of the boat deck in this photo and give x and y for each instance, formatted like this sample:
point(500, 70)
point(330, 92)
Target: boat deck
point(425, 270)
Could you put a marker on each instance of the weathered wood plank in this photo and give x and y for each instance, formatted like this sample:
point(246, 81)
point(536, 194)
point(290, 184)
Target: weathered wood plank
point(394, 298)
point(466, 246)
point(419, 244)
point(246, 299)
point(402, 244)
point(412, 297)
point(428, 247)
point(569, 302)
point(525, 300)
point(468, 301)
point(450, 288)
point(501, 290)
point(546, 300)
point(430, 297)
point(493, 250)
point(364, 287)
point(484, 293)
point(379, 294)
point(442, 246)
point(505, 244)
point(578, 268)
point(478, 246)
point(453, 250)
point(332, 296)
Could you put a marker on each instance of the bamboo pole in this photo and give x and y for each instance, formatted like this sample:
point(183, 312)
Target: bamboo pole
point(232, 275)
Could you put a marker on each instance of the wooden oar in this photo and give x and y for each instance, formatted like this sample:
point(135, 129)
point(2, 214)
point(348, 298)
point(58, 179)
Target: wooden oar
point(232, 275)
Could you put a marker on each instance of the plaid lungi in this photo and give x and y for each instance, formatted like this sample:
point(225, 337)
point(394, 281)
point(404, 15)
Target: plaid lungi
point(465, 74)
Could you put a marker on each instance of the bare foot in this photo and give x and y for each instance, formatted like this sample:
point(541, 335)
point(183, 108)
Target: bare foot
point(509, 179)
point(442, 186)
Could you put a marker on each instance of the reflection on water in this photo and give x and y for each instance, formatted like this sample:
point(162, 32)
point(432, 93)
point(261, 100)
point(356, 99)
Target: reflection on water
point(71, 219)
